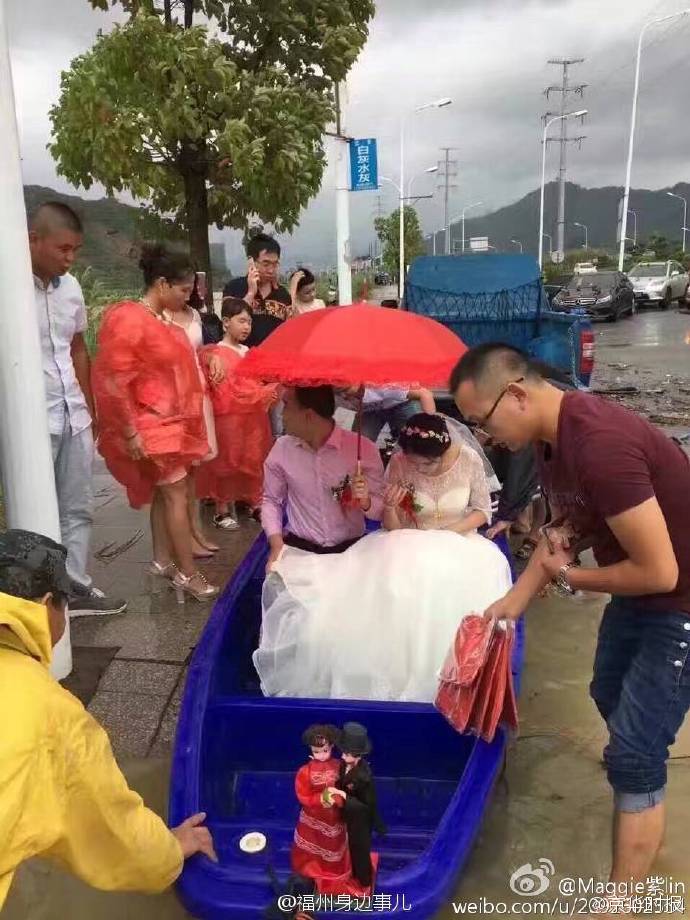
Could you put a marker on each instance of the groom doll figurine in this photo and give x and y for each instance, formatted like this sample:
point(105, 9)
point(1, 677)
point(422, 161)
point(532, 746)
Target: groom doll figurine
point(359, 811)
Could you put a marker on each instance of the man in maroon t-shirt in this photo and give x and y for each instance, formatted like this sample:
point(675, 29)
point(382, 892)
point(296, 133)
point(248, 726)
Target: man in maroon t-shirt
point(619, 485)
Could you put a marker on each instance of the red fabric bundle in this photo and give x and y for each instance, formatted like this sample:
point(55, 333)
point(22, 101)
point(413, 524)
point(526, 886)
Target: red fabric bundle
point(476, 691)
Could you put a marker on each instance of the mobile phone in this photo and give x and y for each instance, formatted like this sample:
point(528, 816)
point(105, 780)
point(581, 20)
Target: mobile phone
point(201, 285)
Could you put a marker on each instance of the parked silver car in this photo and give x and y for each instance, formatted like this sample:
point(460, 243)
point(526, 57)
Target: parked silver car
point(659, 282)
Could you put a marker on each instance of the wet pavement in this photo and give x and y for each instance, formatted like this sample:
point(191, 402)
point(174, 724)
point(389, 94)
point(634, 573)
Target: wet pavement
point(553, 800)
point(649, 356)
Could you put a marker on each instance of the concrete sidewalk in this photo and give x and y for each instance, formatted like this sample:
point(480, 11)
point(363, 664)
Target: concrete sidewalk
point(129, 669)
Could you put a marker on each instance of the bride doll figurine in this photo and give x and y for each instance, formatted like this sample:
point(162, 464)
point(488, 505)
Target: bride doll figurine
point(320, 848)
point(376, 621)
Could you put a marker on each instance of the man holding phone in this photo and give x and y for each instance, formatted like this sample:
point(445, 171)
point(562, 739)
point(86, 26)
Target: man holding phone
point(269, 300)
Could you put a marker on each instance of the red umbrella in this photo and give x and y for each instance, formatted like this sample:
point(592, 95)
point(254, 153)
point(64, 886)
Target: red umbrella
point(359, 345)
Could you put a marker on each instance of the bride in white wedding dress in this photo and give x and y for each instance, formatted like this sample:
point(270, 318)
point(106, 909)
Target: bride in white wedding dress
point(376, 621)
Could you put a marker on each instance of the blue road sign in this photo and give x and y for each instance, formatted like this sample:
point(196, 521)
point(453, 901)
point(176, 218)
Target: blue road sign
point(364, 169)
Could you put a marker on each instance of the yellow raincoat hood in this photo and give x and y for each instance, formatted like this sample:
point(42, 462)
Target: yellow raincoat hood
point(62, 795)
point(24, 626)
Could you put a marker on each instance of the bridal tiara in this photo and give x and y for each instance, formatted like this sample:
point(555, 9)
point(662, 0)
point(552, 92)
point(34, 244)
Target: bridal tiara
point(443, 437)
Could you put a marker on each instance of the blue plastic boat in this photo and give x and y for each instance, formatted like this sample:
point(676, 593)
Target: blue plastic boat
point(237, 752)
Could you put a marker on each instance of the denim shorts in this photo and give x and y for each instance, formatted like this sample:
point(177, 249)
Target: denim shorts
point(641, 686)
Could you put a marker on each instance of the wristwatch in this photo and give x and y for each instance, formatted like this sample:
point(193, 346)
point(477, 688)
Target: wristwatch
point(561, 579)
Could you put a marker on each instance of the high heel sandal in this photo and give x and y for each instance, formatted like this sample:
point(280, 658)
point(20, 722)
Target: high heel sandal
point(162, 571)
point(185, 584)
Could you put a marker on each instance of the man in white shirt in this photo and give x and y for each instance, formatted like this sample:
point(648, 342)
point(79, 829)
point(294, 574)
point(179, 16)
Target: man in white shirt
point(392, 406)
point(55, 237)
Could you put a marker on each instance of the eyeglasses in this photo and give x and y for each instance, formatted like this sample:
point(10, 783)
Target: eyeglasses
point(481, 424)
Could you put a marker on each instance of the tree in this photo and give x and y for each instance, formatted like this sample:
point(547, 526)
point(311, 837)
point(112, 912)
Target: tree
point(388, 232)
point(209, 129)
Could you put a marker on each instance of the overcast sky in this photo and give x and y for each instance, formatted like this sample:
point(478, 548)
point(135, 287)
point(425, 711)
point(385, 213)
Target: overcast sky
point(489, 56)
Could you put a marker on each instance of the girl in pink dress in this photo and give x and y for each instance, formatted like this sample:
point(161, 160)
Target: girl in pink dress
point(243, 431)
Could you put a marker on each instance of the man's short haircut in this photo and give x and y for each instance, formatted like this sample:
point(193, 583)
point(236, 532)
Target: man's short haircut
point(319, 399)
point(493, 362)
point(499, 363)
point(262, 242)
point(54, 215)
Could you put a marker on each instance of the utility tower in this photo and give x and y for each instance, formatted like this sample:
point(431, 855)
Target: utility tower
point(448, 169)
point(566, 89)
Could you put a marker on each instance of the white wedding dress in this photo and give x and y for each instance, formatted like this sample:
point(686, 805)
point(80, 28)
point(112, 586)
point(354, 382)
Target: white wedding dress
point(376, 621)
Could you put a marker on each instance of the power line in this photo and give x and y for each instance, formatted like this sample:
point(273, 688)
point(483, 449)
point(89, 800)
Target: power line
point(566, 89)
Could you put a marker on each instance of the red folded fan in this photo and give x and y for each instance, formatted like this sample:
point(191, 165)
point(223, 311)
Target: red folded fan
point(476, 691)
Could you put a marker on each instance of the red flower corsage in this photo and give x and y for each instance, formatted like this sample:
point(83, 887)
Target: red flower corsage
point(342, 493)
point(409, 504)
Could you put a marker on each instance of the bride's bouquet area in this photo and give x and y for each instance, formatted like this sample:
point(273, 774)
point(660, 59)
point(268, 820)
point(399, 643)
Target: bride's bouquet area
point(476, 692)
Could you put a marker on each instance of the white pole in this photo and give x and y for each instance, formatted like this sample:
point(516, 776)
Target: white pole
point(401, 190)
point(543, 174)
point(25, 452)
point(342, 206)
point(685, 212)
point(633, 116)
point(463, 231)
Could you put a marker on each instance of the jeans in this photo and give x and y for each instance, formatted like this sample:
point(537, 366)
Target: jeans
point(73, 465)
point(395, 417)
point(641, 687)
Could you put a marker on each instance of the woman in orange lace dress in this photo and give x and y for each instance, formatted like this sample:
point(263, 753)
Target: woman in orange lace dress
point(243, 430)
point(149, 397)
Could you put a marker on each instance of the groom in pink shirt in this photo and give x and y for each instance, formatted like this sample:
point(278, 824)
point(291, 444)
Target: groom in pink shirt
point(304, 472)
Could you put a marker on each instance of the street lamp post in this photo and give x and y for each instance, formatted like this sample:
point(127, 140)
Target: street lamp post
point(576, 224)
point(428, 170)
point(438, 104)
point(467, 207)
point(634, 214)
point(628, 172)
point(517, 243)
point(543, 174)
point(685, 212)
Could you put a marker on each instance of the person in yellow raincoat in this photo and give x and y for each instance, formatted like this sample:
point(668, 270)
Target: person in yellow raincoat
point(62, 796)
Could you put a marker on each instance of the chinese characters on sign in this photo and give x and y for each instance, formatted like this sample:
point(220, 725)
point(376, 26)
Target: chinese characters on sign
point(364, 169)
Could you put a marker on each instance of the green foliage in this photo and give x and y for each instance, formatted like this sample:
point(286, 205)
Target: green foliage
point(555, 271)
point(388, 232)
point(148, 103)
point(362, 283)
point(97, 296)
point(314, 41)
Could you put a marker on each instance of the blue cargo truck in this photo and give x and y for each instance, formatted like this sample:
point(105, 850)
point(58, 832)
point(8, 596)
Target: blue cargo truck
point(489, 297)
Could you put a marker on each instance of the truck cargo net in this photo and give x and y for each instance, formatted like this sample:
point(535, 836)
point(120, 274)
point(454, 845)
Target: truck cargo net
point(519, 303)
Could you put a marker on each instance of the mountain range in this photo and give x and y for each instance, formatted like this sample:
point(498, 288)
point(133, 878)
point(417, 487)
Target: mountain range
point(596, 208)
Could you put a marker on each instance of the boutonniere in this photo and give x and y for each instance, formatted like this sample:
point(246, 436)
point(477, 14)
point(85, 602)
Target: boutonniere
point(342, 493)
point(409, 504)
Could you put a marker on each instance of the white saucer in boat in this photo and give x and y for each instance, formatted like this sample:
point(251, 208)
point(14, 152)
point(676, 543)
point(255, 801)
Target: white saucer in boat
point(253, 842)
